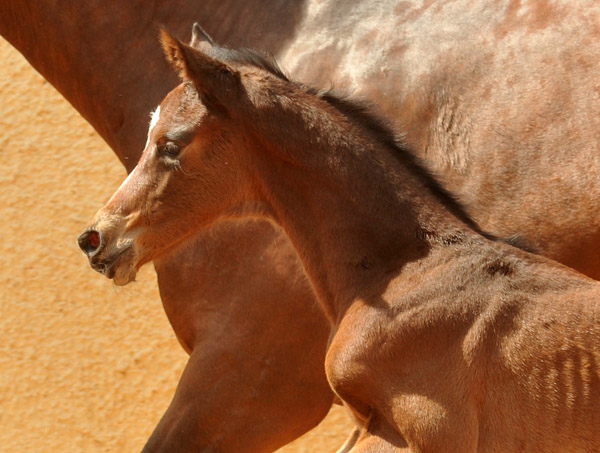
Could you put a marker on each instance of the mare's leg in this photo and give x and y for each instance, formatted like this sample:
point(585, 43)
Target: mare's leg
point(212, 411)
point(238, 301)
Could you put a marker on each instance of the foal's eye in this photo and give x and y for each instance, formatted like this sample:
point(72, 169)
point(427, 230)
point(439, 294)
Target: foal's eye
point(169, 149)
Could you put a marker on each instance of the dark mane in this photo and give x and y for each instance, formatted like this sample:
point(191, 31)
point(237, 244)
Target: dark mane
point(261, 60)
point(361, 113)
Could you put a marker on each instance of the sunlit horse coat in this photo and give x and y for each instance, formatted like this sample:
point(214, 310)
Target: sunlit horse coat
point(499, 97)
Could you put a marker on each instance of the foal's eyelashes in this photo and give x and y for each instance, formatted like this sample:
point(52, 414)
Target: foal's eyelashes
point(169, 149)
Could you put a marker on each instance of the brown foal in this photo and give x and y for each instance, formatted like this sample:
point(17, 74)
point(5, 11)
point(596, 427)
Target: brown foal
point(444, 339)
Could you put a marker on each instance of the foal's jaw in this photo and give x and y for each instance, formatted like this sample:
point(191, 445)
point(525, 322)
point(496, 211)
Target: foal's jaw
point(122, 269)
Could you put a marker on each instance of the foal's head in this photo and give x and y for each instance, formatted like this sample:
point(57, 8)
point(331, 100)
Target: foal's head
point(193, 170)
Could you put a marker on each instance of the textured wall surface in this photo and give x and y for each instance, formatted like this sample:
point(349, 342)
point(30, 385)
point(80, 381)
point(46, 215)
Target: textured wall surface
point(84, 366)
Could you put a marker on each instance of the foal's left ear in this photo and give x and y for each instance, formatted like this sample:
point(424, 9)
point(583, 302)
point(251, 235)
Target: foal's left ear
point(217, 83)
point(200, 39)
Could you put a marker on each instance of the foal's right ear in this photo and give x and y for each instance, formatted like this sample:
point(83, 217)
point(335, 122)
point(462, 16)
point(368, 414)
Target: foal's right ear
point(217, 83)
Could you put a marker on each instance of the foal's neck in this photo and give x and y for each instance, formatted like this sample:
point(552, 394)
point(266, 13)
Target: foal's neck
point(355, 211)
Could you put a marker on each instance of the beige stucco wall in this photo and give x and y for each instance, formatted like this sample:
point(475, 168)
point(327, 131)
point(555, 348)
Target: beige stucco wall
point(84, 366)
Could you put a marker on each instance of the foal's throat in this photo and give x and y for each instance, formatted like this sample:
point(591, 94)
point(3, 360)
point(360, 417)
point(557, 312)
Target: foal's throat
point(352, 210)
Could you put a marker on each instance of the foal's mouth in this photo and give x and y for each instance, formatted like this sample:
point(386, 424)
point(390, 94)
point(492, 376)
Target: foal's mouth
point(119, 266)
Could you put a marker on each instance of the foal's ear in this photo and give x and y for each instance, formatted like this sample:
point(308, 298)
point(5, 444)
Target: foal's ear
point(217, 83)
point(200, 39)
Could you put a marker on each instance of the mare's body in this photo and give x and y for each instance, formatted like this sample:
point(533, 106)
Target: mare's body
point(266, 393)
point(444, 338)
point(499, 98)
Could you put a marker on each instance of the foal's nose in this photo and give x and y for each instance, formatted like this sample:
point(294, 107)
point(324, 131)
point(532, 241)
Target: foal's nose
point(90, 241)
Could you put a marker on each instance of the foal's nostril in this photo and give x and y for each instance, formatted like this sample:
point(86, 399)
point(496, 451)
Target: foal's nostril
point(90, 241)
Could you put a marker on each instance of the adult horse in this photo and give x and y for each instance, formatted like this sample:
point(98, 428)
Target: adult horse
point(239, 391)
point(443, 338)
point(493, 96)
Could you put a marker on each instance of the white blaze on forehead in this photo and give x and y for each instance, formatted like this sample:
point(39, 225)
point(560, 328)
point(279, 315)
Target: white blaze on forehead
point(155, 116)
